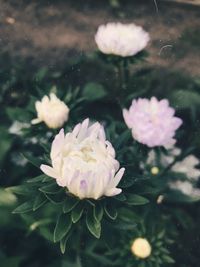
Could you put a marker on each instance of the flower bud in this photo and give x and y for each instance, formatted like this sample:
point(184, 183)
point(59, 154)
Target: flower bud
point(141, 248)
point(52, 111)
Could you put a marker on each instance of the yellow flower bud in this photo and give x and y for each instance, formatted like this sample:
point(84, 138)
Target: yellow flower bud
point(155, 170)
point(141, 248)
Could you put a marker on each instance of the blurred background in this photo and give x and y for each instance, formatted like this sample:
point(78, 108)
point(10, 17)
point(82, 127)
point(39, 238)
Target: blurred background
point(51, 43)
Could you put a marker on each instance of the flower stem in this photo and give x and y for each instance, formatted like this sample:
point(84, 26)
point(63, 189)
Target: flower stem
point(126, 73)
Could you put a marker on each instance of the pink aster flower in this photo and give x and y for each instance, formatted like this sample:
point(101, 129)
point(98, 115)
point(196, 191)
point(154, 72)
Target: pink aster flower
point(152, 122)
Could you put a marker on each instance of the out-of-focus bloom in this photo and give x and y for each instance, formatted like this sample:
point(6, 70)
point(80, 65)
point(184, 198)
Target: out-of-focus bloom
point(52, 111)
point(188, 167)
point(141, 248)
point(186, 187)
point(121, 39)
point(17, 127)
point(152, 122)
point(160, 199)
point(163, 160)
point(154, 170)
point(84, 162)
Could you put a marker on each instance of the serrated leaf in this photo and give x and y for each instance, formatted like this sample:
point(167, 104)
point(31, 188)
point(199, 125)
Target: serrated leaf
point(69, 204)
point(63, 225)
point(110, 211)
point(77, 212)
point(40, 200)
point(25, 207)
point(93, 225)
point(133, 199)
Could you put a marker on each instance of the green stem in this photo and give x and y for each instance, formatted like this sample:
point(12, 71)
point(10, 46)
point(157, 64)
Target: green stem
point(126, 73)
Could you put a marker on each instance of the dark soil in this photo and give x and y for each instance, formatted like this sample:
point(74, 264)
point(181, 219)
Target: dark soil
point(50, 33)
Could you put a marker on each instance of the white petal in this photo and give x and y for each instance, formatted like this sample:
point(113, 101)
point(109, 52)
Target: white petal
point(83, 130)
point(36, 121)
point(115, 181)
point(113, 192)
point(49, 171)
point(57, 144)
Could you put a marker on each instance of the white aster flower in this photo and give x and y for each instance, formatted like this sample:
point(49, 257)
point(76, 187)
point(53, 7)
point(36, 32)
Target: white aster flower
point(186, 187)
point(188, 167)
point(141, 248)
point(121, 39)
point(52, 111)
point(17, 127)
point(84, 162)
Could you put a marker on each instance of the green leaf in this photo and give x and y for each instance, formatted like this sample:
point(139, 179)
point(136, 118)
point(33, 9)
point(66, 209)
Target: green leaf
point(128, 215)
point(34, 161)
point(40, 75)
point(20, 190)
point(63, 226)
point(77, 212)
point(5, 143)
point(168, 259)
point(110, 211)
point(122, 225)
point(98, 212)
point(18, 114)
point(185, 99)
point(52, 188)
point(40, 200)
point(56, 198)
point(122, 139)
point(120, 197)
point(179, 197)
point(93, 225)
point(36, 179)
point(63, 243)
point(69, 204)
point(133, 199)
point(94, 91)
point(25, 207)
point(129, 181)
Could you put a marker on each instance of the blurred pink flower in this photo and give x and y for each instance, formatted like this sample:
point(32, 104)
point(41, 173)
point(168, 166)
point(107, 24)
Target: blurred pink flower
point(152, 122)
point(121, 39)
